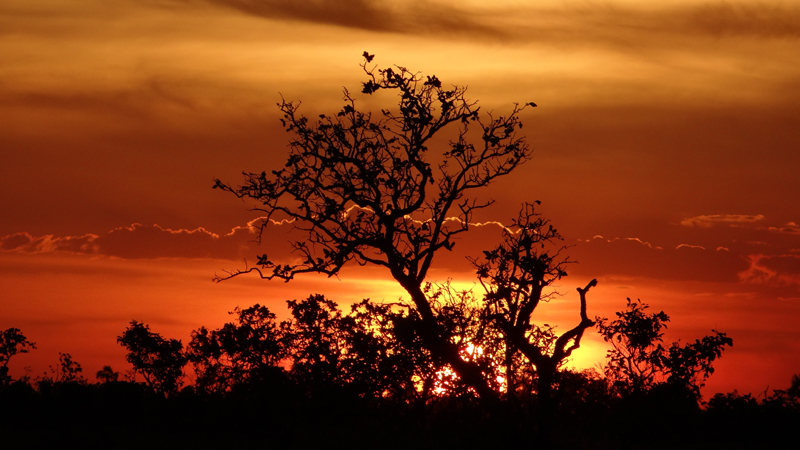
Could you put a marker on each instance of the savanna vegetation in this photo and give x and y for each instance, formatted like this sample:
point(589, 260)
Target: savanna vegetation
point(445, 368)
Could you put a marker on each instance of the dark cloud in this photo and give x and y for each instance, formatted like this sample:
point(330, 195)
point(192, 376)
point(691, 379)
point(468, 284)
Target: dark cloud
point(372, 15)
point(716, 20)
point(785, 264)
point(572, 21)
point(15, 241)
point(707, 221)
point(730, 19)
point(773, 270)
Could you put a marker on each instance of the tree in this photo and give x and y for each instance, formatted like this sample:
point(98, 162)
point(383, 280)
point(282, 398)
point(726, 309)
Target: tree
point(238, 352)
point(67, 370)
point(383, 353)
point(638, 361)
point(514, 276)
point(317, 343)
point(635, 360)
point(12, 342)
point(461, 315)
point(160, 361)
point(107, 375)
point(365, 189)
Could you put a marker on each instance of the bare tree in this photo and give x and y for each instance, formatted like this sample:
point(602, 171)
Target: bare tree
point(514, 276)
point(365, 189)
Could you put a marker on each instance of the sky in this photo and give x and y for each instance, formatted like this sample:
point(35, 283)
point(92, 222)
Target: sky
point(666, 149)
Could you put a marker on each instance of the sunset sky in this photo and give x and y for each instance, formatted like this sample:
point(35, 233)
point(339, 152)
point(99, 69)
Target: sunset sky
point(666, 151)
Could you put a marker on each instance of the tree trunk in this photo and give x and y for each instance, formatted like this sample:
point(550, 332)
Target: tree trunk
point(447, 352)
point(546, 416)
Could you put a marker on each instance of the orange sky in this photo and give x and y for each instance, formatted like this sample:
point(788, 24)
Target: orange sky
point(666, 152)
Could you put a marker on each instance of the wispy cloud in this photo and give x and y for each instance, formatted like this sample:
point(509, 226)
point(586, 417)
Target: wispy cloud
point(772, 270)
point(699, 247)
point(637, 240)
point(708, 221)
point(789, 228)
point(634, 257)
point(24, 242)
point(141, 242)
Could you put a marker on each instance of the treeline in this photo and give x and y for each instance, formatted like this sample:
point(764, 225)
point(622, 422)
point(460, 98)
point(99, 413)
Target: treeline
point(362, 378)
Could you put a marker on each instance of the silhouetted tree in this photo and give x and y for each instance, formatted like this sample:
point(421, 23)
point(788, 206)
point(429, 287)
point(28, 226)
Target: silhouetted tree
point(635, 361)
point(316, 343)
point(794, 388)
point(462, 317)
point(239, 351)
point(12, 342)
point(160, 361)
point(107, 375)
point(366, 190)
point(638, 361)
point(67, 370)
point(785, 400)
point(514, 276)
point(383, 355)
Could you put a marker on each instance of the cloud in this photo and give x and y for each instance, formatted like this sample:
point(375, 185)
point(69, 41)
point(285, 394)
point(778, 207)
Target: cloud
point(139, 241)
point(404, 17)
point(26, 243)
point(16, 241)
point(638, 258)
point(774, 270)
point(708, 221)
point(726, 19)
point(144, 242)
point(789, 228)
point(572, 21)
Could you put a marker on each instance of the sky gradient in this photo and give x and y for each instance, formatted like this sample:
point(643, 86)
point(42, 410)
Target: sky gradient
point(666, 150)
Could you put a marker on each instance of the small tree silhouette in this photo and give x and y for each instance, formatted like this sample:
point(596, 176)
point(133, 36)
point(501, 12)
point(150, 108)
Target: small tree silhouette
point(160, 361)
point(364, 189)
point(67, 370)
point(107, 375)
point(635, 361)
point(638, 361)
point(12, 342)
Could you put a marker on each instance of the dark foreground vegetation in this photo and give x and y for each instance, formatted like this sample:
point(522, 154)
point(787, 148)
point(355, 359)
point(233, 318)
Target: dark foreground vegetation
point(446, 369)
point(327, 379)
